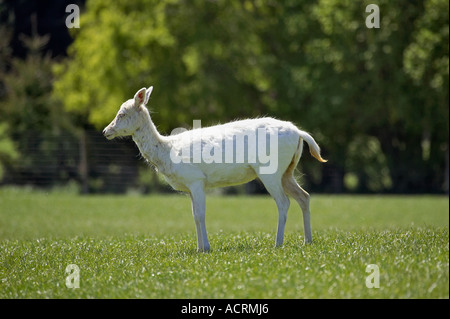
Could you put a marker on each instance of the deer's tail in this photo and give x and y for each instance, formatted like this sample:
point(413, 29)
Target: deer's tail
point(314, 148)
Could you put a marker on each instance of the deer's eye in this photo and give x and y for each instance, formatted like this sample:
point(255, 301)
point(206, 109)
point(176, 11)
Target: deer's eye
point(119, 116)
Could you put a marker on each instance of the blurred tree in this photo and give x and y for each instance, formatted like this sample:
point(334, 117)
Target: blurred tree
point(199, 55)
point(36, 123)
point(313, 62)
point(361, 89)
point(8, 151)
point(50, 15)
point(426, 61)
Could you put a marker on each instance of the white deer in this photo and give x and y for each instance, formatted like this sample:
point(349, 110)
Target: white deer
point(193, 177)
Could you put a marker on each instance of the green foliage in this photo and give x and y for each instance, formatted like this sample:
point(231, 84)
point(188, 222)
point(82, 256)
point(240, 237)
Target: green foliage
point(425, 57)
point(116, 51)
point(27, 105)
point(315, 63)
point(34, 121)
point(366, 160)
point(8, 151)
point(426, 62)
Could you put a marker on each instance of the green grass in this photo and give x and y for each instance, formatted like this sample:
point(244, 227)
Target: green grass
point(145, 247)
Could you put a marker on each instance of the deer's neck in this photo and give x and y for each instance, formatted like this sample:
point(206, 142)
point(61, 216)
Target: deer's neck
point(151, 144)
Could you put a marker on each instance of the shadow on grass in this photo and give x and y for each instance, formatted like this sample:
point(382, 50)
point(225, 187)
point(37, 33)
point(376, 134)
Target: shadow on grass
point(241, 243)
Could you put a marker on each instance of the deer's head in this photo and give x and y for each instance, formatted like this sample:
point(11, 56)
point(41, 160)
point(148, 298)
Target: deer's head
point(130, 117)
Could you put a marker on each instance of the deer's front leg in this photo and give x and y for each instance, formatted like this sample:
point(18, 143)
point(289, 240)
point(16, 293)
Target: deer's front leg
point(197, 194)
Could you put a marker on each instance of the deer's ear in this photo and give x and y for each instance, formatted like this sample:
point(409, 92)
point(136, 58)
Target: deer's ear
point(147, 94)
point(139, 97)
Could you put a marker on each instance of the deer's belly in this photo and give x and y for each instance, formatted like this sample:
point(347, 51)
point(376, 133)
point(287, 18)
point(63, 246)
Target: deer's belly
point(223, 175)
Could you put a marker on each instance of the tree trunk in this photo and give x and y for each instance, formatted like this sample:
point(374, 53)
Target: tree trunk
point(83, 166)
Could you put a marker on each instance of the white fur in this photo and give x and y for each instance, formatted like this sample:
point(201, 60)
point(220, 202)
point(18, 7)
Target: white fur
point(193, 177)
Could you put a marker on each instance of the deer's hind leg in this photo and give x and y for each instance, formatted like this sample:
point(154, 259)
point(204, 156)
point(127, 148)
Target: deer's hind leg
point(292, 188)
point(274, 186)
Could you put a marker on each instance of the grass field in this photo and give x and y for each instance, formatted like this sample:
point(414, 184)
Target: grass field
point(145, 247)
